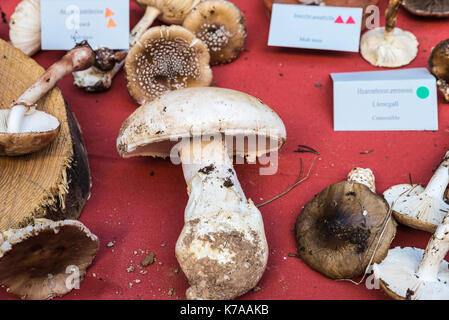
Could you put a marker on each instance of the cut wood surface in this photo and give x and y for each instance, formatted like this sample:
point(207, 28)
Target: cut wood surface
point(54, 182)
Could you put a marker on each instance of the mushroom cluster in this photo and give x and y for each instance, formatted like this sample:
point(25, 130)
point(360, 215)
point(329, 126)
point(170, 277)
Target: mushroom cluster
point(222, 248)
point(346, 227)
point(389, 46)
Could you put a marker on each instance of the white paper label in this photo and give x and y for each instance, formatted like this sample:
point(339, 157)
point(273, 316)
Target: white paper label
point(103, 23)
point(315, 27)
point(385, 100)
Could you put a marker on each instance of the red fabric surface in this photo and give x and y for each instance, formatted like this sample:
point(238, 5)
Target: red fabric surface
point(139, 203)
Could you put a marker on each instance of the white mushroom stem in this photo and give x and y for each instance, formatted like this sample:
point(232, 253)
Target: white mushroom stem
point(439, 181)
point(222, 248)
point(151, 13)
point(436, 250)
point(79, 58)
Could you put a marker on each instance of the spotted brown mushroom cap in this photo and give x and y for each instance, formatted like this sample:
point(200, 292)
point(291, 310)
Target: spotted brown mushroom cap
point(439, 66)
point(172, 11)
point(433, 8)
point(165, 59)
point(339, 231)
point(36, 261)
point(221, 26)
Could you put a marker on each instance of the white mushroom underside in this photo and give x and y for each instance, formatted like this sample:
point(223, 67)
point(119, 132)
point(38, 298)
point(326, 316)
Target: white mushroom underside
point(395, 50)
point(413, 202)
point(397, 271)
point(36, 121)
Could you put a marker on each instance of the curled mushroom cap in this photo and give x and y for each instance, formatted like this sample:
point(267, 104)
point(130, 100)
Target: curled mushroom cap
point(25, 27)
point(344, 227)
point(36, 262)
point(389, 46)
point(433, 8)
point(221, 26)
point(418, 207)
point(172, 11)
point(164, 59)
point(439, 66)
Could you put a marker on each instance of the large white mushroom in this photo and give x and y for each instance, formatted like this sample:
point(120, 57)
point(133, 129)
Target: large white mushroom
point(222, 248)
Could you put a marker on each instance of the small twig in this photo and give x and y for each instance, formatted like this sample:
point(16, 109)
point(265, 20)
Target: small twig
point(297, 182)
point(306, 149)
point(367, 151)
point(410, 179)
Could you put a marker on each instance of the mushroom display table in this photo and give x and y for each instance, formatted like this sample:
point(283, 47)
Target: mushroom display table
point(137, 205)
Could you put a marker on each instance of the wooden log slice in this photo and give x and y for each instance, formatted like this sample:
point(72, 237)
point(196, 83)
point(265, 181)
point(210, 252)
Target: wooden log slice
point(55, 182)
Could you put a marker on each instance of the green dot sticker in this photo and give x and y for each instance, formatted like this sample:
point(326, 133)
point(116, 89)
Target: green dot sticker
point(422, 92)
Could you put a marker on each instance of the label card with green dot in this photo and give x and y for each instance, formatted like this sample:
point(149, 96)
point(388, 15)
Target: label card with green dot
point(393, 100)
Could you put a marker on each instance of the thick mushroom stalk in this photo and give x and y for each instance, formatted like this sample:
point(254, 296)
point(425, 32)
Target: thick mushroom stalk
point(418, 207)
point(389, 46)
point(222, 248)
point(79, 58)
point(415, 274)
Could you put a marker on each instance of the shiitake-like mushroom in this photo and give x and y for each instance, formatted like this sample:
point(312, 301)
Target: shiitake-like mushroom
point(439, 66)
point(221, 25)
point(345, 227)
point(427, 8)
point(165, 59)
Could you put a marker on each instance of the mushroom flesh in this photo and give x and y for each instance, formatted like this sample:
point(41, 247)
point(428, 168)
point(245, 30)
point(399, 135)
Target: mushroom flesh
point(221, 25)
point(45, 259)
point(416, 274)
point(345, 227)
point(439, 66)
point(418, 207)
point(389, 46)
point(23, 129)
point(165, 59)
point(222, 248)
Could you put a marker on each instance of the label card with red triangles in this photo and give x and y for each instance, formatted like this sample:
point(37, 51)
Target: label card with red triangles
point(315, 27)
point(103, 23)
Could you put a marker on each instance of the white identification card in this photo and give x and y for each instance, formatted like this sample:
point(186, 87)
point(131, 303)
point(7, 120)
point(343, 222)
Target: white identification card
point(385, 100)
point(315, 27)
point(103, 23)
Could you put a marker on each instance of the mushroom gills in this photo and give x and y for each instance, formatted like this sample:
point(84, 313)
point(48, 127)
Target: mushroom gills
point(36, 121)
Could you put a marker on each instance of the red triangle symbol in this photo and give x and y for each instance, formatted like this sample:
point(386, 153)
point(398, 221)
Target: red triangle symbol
point(339, 20)
point(350, 21)
point(108, 13)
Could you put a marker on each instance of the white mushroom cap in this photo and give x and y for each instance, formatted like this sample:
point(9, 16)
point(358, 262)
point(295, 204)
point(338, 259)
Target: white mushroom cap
point(397, 273)
point(25, 27)
point(396, 50)
point(154, 128)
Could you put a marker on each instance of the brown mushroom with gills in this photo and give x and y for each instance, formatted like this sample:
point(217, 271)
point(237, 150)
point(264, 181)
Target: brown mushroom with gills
point(222, 248)
point(427, 8)
point(45, 259)
point(439, 66)
point(415, 274)
point(221, 25)
point(98, 78)
point(345, 227)
point(24, 130)
point(418, 207)
point(165, 59)
point(389, 46)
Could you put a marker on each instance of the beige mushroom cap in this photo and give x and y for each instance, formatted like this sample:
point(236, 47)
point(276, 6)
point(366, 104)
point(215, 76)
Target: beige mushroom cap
point(38, 130)
point(164, 59)
point(36, 261)
point(154, 128)
point(172, 11)
point(396, 50)
point(25, 27)
point(221, 25)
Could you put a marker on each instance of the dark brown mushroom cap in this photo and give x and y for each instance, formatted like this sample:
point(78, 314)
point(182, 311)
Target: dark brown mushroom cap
point(165, 59)
point(432, 8)
point(19, 144)
point(439, 66)
point(221, 25)
point(172, 11)
point(339, 230)
point(34, 260)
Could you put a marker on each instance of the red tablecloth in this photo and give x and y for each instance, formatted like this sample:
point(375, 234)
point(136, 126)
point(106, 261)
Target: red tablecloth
point(138, 203)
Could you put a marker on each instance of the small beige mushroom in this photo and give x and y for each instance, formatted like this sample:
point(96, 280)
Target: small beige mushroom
point(46, 259)
point(165, 59)
point(221, 25)
point(389, 46)
point(25, 27)
point(415, 274)
point(222, 248)
point(418, 207)
point(24, 130)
